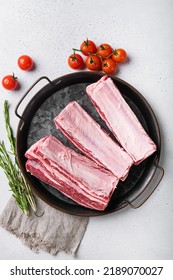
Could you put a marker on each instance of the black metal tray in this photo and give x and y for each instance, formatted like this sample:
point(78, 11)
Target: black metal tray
point(37, 121)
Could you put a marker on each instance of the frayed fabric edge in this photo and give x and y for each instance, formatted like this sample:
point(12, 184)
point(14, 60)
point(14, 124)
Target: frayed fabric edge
point(29, 239)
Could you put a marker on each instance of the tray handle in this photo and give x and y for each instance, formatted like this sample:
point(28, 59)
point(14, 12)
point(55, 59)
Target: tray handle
point(159, 178)
point(36, 82)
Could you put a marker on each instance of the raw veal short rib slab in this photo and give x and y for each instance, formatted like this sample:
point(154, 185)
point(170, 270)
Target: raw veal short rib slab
point(120, 119)
point(74, 175)
point(87, 136)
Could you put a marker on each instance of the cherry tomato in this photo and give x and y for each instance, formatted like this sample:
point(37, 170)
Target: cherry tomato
point(109, 66)
point(88, 47)
point(25, 62)
point(104, 50)
point(75, 61)
point(10, 82)
point(93, 62)
point(119, 55)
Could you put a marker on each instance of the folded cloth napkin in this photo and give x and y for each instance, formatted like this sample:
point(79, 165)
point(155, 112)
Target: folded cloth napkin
point(52, 231)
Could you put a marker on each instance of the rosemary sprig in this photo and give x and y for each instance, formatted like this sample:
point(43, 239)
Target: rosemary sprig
point(11, 138)
point(20, 189)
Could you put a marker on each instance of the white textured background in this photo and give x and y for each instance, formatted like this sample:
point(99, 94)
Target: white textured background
point(47, 31)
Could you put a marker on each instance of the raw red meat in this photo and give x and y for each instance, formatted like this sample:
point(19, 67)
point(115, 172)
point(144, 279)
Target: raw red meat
point(88, 137)
point(120, 119)
point(74, 175)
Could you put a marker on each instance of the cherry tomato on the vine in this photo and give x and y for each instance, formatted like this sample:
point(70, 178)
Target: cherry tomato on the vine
point(25, 62)
point(119, 55)
point(75, 61)
point(9, 82)
point(109, 66)
point(104, 50)
point(93, 62)
point(88, 47)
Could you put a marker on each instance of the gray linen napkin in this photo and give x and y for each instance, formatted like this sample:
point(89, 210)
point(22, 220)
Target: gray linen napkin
point(52, 232)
